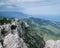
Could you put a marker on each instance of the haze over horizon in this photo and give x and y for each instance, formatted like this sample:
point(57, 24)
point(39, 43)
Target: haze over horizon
point(32, 7)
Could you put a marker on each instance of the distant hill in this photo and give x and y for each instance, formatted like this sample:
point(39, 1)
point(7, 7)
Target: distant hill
point(50, 30)
point(48, 17)
point(11, 14)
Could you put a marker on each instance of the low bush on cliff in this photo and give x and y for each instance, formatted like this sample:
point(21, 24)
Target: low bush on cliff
point(13, 27)
point(3, 31)
point(4, 20)
point(1, 41)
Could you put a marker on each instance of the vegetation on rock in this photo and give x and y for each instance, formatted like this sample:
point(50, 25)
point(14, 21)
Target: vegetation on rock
point(3, 31)
point(13, 27)
point(1, 41)
point(4, 20)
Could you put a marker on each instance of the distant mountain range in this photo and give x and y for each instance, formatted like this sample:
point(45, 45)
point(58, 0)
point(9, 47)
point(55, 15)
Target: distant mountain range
point(11, 14)
point(49, 29)
point(48, 17)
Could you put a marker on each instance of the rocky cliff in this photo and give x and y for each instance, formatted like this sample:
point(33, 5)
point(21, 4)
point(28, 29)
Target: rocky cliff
point(10, 35)
point(15, 33)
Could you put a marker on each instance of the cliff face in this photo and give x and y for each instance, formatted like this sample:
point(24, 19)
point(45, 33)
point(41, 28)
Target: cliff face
point(17, 34)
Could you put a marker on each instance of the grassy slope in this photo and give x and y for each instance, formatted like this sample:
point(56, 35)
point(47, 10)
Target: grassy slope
point(50, 30)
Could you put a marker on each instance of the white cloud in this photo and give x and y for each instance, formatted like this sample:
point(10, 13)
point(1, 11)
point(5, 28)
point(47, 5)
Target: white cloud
point(23, 2)
point(43, 10)
point(14, 1)
point(9, 7)
point(2, 3)
point(31, 0)
point(34, 6)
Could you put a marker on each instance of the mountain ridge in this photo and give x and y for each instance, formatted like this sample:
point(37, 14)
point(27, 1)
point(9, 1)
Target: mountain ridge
point(48, 17)
point(13, 14)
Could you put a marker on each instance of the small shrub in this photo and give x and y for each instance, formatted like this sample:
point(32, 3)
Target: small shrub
point(1, 41)
point(13, 27)
point(3, 31)
point(4, 20)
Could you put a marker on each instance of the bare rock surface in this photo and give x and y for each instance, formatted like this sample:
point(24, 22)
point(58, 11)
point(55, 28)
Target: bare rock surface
point(52, 44)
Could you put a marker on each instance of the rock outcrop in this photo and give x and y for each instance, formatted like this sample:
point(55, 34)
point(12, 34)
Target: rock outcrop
point(1, 46)
point(13, 41)
point(52, 44)
point(12, 38)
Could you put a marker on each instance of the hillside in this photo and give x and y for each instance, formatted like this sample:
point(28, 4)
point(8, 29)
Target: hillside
point(50, 30)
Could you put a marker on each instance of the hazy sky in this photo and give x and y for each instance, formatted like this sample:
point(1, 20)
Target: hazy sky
point(32, 7)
